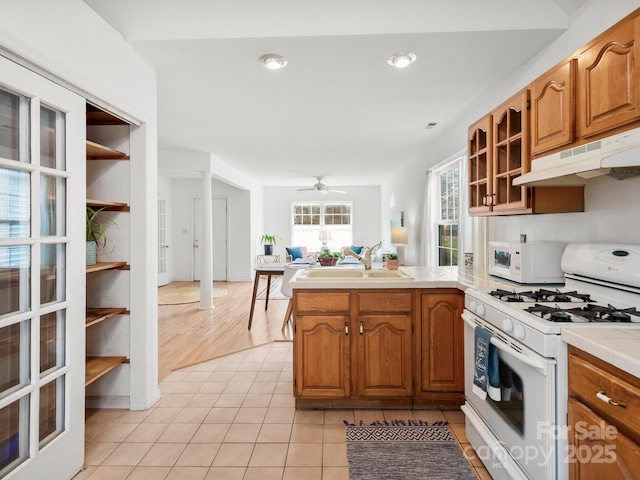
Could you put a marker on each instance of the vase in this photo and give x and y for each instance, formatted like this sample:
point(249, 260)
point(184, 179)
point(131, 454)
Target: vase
point(393, 264)
point(91, 253)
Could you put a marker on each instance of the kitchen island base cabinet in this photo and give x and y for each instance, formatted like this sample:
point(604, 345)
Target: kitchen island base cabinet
point(361, 349)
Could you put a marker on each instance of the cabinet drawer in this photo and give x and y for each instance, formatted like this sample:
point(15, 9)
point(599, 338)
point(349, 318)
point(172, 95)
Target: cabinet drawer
point(586, 379)
point(322, 302)
point(384, 302)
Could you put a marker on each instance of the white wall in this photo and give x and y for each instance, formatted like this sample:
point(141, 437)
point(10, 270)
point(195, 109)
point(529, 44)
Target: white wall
point(610, 208)
point(239, 228)
point(367, 218)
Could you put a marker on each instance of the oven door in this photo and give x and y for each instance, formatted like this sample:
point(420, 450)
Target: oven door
point(522, 424)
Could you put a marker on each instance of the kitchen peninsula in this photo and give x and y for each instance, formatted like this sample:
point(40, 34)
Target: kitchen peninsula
point(378, 341)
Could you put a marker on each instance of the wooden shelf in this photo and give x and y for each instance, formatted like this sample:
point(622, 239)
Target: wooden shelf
point(95, 116)
point(107, 206)
point(97, 315)
point(107, 266)
point(95, 151)
point(96, 367)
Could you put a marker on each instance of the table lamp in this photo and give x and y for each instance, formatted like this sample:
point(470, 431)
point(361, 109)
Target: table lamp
point(324, 236)
point(400, 237)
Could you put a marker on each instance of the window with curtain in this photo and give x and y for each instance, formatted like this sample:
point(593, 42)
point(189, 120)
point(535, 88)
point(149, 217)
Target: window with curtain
point(308, 219)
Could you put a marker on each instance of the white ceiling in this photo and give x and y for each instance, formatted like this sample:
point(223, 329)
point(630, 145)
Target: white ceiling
point(337, 109)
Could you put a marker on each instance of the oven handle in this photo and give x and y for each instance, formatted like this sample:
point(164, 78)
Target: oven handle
point(532, 362)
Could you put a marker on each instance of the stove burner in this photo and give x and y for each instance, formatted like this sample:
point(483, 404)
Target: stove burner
point(589, 313)
point(540, 295)
point(506, 296)
point(611, 314)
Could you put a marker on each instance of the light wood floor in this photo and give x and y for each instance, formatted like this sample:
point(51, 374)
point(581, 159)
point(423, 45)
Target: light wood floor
point(188, 335)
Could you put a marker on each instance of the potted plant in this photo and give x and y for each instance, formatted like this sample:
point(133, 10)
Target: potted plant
point(96, 234)
point(268, 241)
point(392, 261)
point(328, 258)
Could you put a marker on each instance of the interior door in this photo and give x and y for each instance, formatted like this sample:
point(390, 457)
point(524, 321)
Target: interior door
point(42, 276)
point(220, 249)
point(164, 242)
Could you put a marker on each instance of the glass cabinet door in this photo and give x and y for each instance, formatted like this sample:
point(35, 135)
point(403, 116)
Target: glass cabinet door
point(37, 370)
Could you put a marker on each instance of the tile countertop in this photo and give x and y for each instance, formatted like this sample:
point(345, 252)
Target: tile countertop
point(618, 346)
point(423, 277)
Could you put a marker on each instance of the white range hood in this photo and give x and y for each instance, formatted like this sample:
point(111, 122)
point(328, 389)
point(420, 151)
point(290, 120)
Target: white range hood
point(617, 156)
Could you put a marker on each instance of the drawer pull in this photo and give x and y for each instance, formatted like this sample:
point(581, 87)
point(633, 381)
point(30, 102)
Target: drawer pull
point(346, 328)
point(601, 395)
point(361, 328)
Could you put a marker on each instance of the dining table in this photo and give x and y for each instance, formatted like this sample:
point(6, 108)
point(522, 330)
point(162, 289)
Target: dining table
point(268, 270)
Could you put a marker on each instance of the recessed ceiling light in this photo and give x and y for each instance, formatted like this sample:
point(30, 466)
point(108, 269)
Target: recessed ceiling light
point(401, 60)
point(273, 61)
point(430, 125)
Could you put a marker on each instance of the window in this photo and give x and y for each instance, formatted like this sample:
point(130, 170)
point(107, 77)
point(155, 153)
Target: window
point(445, 222)
point(449, 213)
point(310, 218)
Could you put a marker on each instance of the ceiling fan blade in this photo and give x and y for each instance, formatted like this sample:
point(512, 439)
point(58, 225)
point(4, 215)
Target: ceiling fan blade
point(306, 189)
point(335, 191)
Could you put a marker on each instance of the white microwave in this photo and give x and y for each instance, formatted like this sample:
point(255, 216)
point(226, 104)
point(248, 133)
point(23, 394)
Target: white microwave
point(527, 263)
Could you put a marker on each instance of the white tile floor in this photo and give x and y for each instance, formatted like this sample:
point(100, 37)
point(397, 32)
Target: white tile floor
point(232, 418)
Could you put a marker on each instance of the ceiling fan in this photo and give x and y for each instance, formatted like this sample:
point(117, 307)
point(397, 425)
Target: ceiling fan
point(321, 187)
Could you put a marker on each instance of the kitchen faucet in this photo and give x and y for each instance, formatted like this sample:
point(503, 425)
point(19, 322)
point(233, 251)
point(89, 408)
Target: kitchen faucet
point(365, 255)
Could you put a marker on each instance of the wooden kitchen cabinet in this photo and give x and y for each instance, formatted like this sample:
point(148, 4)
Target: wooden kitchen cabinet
point(480, 156)
point(553, 110)
point(383, 345)
point(322, 357)
point(392, 348)
point(510, 152)
point(506, 156)
point(604, 437)
point(321, 344)
point(441, 352)
point(609, 80)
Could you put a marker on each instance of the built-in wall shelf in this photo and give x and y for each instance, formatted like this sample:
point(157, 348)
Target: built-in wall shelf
point(97, 315)
point(96, 367)
point(98, 267)
point(107, 206)
point(95, 151)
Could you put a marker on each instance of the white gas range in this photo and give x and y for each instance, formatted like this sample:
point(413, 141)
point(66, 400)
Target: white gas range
point(521, 435)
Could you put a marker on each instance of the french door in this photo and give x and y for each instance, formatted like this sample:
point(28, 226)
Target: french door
point(42, 283)
point(164, 231)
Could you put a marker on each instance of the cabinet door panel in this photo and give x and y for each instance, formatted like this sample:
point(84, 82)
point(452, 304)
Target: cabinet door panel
point(442, 343)
point(510, 152)
point(609, 89)
point(553, 108)
point(321, 356)
point(597, 450)
point(384, 355)
point(480, 163)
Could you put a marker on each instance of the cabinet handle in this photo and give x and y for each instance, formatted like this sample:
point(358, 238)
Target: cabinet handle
point(484, 200)
point(361, 328)
point(346, 328)
point(602, 396)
